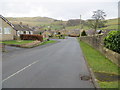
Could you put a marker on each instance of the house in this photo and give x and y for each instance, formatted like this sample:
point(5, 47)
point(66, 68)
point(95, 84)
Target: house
point(47, 33)
point(6, 29)
point(22, 29)
point(75, 32)
point(92, 32)
point(38, 30)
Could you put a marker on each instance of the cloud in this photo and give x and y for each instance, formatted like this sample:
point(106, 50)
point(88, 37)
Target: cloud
point(56, 9)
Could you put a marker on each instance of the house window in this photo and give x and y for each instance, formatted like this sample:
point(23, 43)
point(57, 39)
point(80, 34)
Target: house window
point(0, 30)
point(24, 32)
point(21, 32)
point(31, 32)
point(7, 31)
point(18, 32)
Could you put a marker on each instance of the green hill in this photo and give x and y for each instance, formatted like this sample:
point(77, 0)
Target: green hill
point(59, 24)
point(38, 21)
point(111, 24)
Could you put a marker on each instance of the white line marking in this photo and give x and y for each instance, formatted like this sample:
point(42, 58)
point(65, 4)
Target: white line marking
point(19, 71)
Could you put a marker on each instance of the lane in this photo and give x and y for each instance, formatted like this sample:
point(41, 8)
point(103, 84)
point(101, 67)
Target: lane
point(58, 66)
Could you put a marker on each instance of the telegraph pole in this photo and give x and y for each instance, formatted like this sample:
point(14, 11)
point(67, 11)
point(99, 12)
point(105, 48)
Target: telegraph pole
point(80, 25)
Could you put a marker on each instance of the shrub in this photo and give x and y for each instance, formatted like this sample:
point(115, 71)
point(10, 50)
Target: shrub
point(83, 33)
point(31, 37)
point(112, 41)
point(40, 33)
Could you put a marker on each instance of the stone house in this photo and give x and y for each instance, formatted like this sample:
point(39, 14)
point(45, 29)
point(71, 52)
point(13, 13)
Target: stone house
point(22, 29)
point(6, 29)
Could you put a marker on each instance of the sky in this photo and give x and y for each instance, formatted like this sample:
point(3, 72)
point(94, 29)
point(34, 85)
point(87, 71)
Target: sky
point(58, 9)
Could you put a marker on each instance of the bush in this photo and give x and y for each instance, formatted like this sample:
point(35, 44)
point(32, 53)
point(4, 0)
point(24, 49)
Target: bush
point(83, 33)
point(31, 37)
point(112, 41)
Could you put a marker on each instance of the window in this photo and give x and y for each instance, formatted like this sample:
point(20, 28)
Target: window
point(31, 32)
point(0, 30)
point(27, 32)
point(7, 31)
point(21, 32)
point(24, 32)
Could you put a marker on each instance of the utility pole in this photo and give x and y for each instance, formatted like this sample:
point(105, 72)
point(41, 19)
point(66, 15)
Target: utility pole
point(80, 26)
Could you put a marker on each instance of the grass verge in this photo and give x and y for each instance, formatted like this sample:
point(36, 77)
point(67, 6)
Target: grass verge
point(99, 63)
point(17, 42)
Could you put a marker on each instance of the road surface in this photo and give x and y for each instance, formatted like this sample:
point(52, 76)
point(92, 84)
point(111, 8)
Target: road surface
point(56, 66)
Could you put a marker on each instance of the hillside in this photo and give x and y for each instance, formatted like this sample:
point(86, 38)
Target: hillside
point(59, 24)
point(110, 24)
point(32, 21)
point(38, 21)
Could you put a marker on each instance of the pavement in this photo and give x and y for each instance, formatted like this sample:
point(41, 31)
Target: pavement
point(55, 66)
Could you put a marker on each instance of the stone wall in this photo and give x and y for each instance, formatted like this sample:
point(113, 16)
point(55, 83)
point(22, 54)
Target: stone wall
point(97, 43)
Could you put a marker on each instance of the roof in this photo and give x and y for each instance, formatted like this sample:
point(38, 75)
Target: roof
point(19, 27)
point(90, 32)
point(6, 21)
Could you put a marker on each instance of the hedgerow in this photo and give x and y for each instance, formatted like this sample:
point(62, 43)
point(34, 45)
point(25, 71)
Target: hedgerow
point(112, 41)
point(31, 37)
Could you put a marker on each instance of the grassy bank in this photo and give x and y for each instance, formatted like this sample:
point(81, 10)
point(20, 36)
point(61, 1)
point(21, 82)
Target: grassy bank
point(99, 63)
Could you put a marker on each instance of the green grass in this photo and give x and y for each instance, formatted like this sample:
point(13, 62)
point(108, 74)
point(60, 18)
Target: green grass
point(99, 63)
point(17, 42)
point(46, 42)
point(109, 84)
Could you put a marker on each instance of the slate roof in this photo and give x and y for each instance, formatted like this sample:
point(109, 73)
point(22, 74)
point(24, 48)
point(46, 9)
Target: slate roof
point(6, 21)
point(19, 27)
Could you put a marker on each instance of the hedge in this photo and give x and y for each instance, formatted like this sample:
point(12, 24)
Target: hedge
point(31, 37)
point(112, 41)
point(73, 35)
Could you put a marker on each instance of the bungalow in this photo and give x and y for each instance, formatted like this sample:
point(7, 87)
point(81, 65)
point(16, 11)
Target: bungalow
point(6, 29)
point(22, 29)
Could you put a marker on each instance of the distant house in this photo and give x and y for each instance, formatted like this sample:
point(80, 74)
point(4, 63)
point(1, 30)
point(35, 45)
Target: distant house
point(92, 32)
point(38, 30)
point(47, 33)
point(22, 29)
point(75, 32)
point(6, 29)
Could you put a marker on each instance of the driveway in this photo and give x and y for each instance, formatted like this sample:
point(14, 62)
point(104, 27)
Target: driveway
point(56, 66)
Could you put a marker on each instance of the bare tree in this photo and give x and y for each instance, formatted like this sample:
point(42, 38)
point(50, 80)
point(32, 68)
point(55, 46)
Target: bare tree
point(98, 19)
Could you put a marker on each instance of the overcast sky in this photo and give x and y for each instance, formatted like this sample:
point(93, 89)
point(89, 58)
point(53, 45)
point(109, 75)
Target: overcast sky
point(58, 9)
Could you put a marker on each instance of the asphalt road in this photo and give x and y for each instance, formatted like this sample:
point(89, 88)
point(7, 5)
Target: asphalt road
point(56, 66)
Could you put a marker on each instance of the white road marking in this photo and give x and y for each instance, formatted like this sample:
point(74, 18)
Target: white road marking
point(19, 71)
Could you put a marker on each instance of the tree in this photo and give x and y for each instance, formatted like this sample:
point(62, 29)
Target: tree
point(83, 33)
point(40, 33)
point(98, 19)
